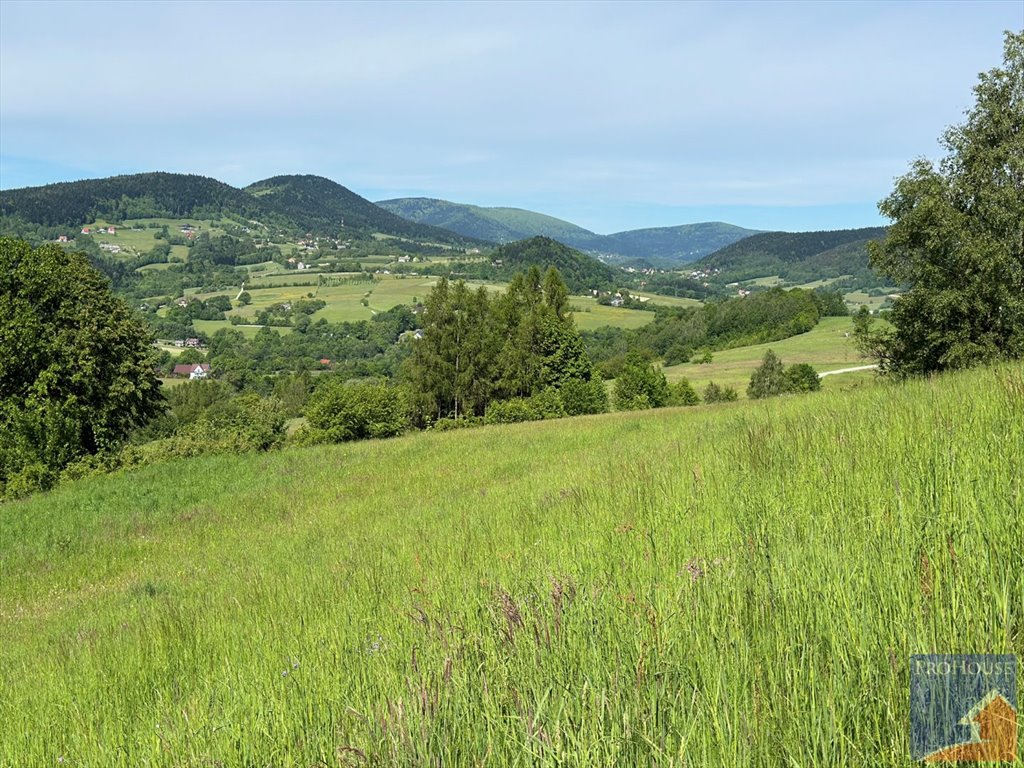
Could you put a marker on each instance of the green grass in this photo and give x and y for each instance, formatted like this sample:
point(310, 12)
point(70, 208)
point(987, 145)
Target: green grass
point(826, 347)
point(737, 585)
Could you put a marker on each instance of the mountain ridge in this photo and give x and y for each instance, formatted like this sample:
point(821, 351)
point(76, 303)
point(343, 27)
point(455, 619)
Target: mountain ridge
point(660, 246)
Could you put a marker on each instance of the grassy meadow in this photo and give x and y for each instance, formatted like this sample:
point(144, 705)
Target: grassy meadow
point(733, 585)
point(829, 346)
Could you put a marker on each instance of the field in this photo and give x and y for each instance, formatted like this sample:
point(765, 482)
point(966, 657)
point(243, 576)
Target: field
point(736, 585)
point(827, 347)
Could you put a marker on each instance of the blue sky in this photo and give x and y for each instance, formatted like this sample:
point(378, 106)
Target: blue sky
point(614, 116)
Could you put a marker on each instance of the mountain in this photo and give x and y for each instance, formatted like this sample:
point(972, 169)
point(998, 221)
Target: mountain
point(298, 203)
point(141, 195)
point(671, 246)
point(660, 246)
point(321, 205)
point(796, 256)
point(581, 272)
point(499, 225)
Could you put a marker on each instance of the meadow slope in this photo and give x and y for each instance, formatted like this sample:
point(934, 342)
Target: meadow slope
point(737, 585)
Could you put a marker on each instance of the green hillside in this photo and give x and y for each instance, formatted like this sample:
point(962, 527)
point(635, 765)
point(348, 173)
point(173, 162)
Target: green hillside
point(672, 246)
point(294, 204)
point(581, 273)
point(498, 225)
point(659, 246)
point(796, 257)
point(733, 585)
point(136, 196)
point(322, 205)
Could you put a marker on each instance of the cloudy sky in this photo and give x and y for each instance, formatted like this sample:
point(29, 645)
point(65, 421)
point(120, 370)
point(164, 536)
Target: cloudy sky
point(613, 116)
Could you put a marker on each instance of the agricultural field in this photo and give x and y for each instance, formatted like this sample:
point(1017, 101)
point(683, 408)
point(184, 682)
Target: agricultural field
point(828, 347)
point(732, 585)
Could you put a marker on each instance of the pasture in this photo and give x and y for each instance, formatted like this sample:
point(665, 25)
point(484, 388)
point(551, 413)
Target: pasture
point(736, 585)
point(827, 347)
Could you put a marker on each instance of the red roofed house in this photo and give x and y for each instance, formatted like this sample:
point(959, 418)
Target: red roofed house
point(324, 361)
point(193, 371)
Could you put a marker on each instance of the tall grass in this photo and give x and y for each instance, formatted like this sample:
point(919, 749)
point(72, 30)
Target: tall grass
point(738, 585)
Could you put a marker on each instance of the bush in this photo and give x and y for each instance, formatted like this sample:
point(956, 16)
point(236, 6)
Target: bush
point(683, 393)
point(582, 397)
point(716, 394)
point(640, 385)
point(512, 411)
point(343, 411)
point(801, 377)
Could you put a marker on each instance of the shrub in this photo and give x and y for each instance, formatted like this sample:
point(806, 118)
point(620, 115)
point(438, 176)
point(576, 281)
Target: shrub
point(640, 385)
point(801, 377)
point(343, 411)
point(512, 411)
point(713, 393)
point(683, 393)
point(582, 397)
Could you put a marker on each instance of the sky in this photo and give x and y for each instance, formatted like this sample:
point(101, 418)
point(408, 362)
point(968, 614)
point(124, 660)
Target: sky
point(615, 116)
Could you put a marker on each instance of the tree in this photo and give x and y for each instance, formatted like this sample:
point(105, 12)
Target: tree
point(957, 238)
point(76, 366)
point(769, 378)
point(245, 298)
point(640, 385)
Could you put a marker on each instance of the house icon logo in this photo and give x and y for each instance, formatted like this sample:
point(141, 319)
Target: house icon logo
point(963, 708)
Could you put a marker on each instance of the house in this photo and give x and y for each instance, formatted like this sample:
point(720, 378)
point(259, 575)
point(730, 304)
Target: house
point(403, 259)
point(182, 302)
point(62, 239)
point(617, 301)
point(325, 361)
point(193, 371)
point(111, 230)
point(194, 343)
point(86, 231)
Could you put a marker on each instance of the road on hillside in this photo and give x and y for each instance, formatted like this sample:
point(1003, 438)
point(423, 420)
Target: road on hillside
point(848, 370)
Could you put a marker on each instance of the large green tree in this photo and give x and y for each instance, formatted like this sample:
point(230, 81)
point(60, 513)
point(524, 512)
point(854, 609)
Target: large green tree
point(957, 238)
point(76, 367)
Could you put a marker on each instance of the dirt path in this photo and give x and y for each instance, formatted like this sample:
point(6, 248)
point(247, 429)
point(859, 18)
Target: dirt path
point(848, 370)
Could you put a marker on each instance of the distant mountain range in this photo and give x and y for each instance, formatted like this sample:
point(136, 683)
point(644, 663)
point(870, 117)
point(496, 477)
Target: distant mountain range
point(660, 246)
point(300, 204)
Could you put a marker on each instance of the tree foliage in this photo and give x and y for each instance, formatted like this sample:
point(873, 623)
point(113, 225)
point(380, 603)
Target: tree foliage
point(957, 238)
point(76, 372)
point(477, 349)
point(640, 385)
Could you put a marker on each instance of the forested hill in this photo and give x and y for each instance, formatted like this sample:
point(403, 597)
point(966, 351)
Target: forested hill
point(141, 195)
point(672, 246)
point(659, 246)
point(499, 225)
point(581, 272)
point(796, 256)
point(320, 205)
point(297, 203)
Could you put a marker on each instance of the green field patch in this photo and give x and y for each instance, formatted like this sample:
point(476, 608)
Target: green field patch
point(828, 346)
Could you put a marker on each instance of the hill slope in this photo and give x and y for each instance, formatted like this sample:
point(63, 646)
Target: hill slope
point(672, 246)
point(608, 590)
point(140, 195)
point(795, 256)
point(321, 205)
point(581, 272)
point(296, 203)
point(660, 246)
point(499, 225)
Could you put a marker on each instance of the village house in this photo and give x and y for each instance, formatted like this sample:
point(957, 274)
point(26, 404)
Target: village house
point(192, 371)
point(62, 239)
